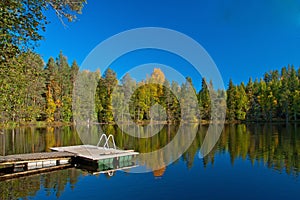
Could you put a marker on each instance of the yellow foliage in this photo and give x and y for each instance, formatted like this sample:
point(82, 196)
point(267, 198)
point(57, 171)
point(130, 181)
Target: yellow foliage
point(58, 103)
point(158, 76)
point(51, 107)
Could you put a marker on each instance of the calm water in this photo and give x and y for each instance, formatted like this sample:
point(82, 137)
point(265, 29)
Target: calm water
point(249, 161)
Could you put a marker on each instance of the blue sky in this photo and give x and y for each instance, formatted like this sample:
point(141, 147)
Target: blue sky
point(244, 38)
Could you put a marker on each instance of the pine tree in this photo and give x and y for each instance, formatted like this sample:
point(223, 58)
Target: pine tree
point(167, 100)
point(35, 87)
point(231, 101)
point(284, 100)
point(85, 99)
point(52, 84)
point(188, 102)
point(251, 98)
point(104, 91)
point(128, 87)
point(242, 102)
point(175, 106)
point(204, 101)
point(293, 84)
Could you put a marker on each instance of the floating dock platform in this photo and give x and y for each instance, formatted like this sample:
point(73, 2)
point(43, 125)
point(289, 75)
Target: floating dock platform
point(95, 153)
point(91, 158)
point(100, 159)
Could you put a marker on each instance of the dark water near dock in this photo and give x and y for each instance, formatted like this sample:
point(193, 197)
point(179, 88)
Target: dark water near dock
point(249, 161)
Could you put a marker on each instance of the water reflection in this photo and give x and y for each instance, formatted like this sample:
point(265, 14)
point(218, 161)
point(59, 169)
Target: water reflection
point(53, 183)
point(30, 139)
point(275, 146)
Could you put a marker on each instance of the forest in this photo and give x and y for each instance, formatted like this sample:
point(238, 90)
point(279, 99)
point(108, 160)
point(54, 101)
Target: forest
point(32, 91)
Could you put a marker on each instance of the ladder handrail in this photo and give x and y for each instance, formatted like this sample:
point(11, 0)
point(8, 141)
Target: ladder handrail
point(102, 136)
point(113, 140)
point(106, 141)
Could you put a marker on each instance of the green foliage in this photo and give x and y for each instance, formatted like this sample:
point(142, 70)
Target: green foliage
point(104, 92)
point(84, 99)
point(204, 101)
point(22, 87)
point(231, 101)
point(188, 102)
point(30, 92)
point(21, 22)
point(170, 101)
point(275, 97)
point(60, 80)
point(242, 103)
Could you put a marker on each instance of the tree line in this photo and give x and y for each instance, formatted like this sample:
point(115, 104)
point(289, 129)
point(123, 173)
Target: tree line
point(275, 97)
point(33, 91)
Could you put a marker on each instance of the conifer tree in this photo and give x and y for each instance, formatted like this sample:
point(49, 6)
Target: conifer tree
point(204, 101)
point(231, 101)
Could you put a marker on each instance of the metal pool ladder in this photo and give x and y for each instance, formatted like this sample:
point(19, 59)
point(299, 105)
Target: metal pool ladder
point(106, 140)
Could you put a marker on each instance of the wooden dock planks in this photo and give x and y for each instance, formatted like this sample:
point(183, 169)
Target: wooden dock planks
point(94, 153)
point(20, 158)
point(13, 166)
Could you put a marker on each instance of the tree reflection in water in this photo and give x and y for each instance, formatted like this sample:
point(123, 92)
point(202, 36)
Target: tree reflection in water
point(276, 146)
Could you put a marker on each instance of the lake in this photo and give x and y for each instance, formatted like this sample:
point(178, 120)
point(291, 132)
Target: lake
point(256, 161)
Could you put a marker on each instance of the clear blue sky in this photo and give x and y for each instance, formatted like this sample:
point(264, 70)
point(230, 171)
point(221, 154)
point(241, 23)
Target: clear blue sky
point(244, 38)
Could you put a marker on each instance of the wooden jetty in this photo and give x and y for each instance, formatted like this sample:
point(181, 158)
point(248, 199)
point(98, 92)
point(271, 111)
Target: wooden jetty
point(87, 157)
point(35, 157)
point(12, 166)
point(95, 159)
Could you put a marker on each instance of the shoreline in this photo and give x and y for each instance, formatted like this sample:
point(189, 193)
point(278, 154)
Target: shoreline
point(41, 124)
